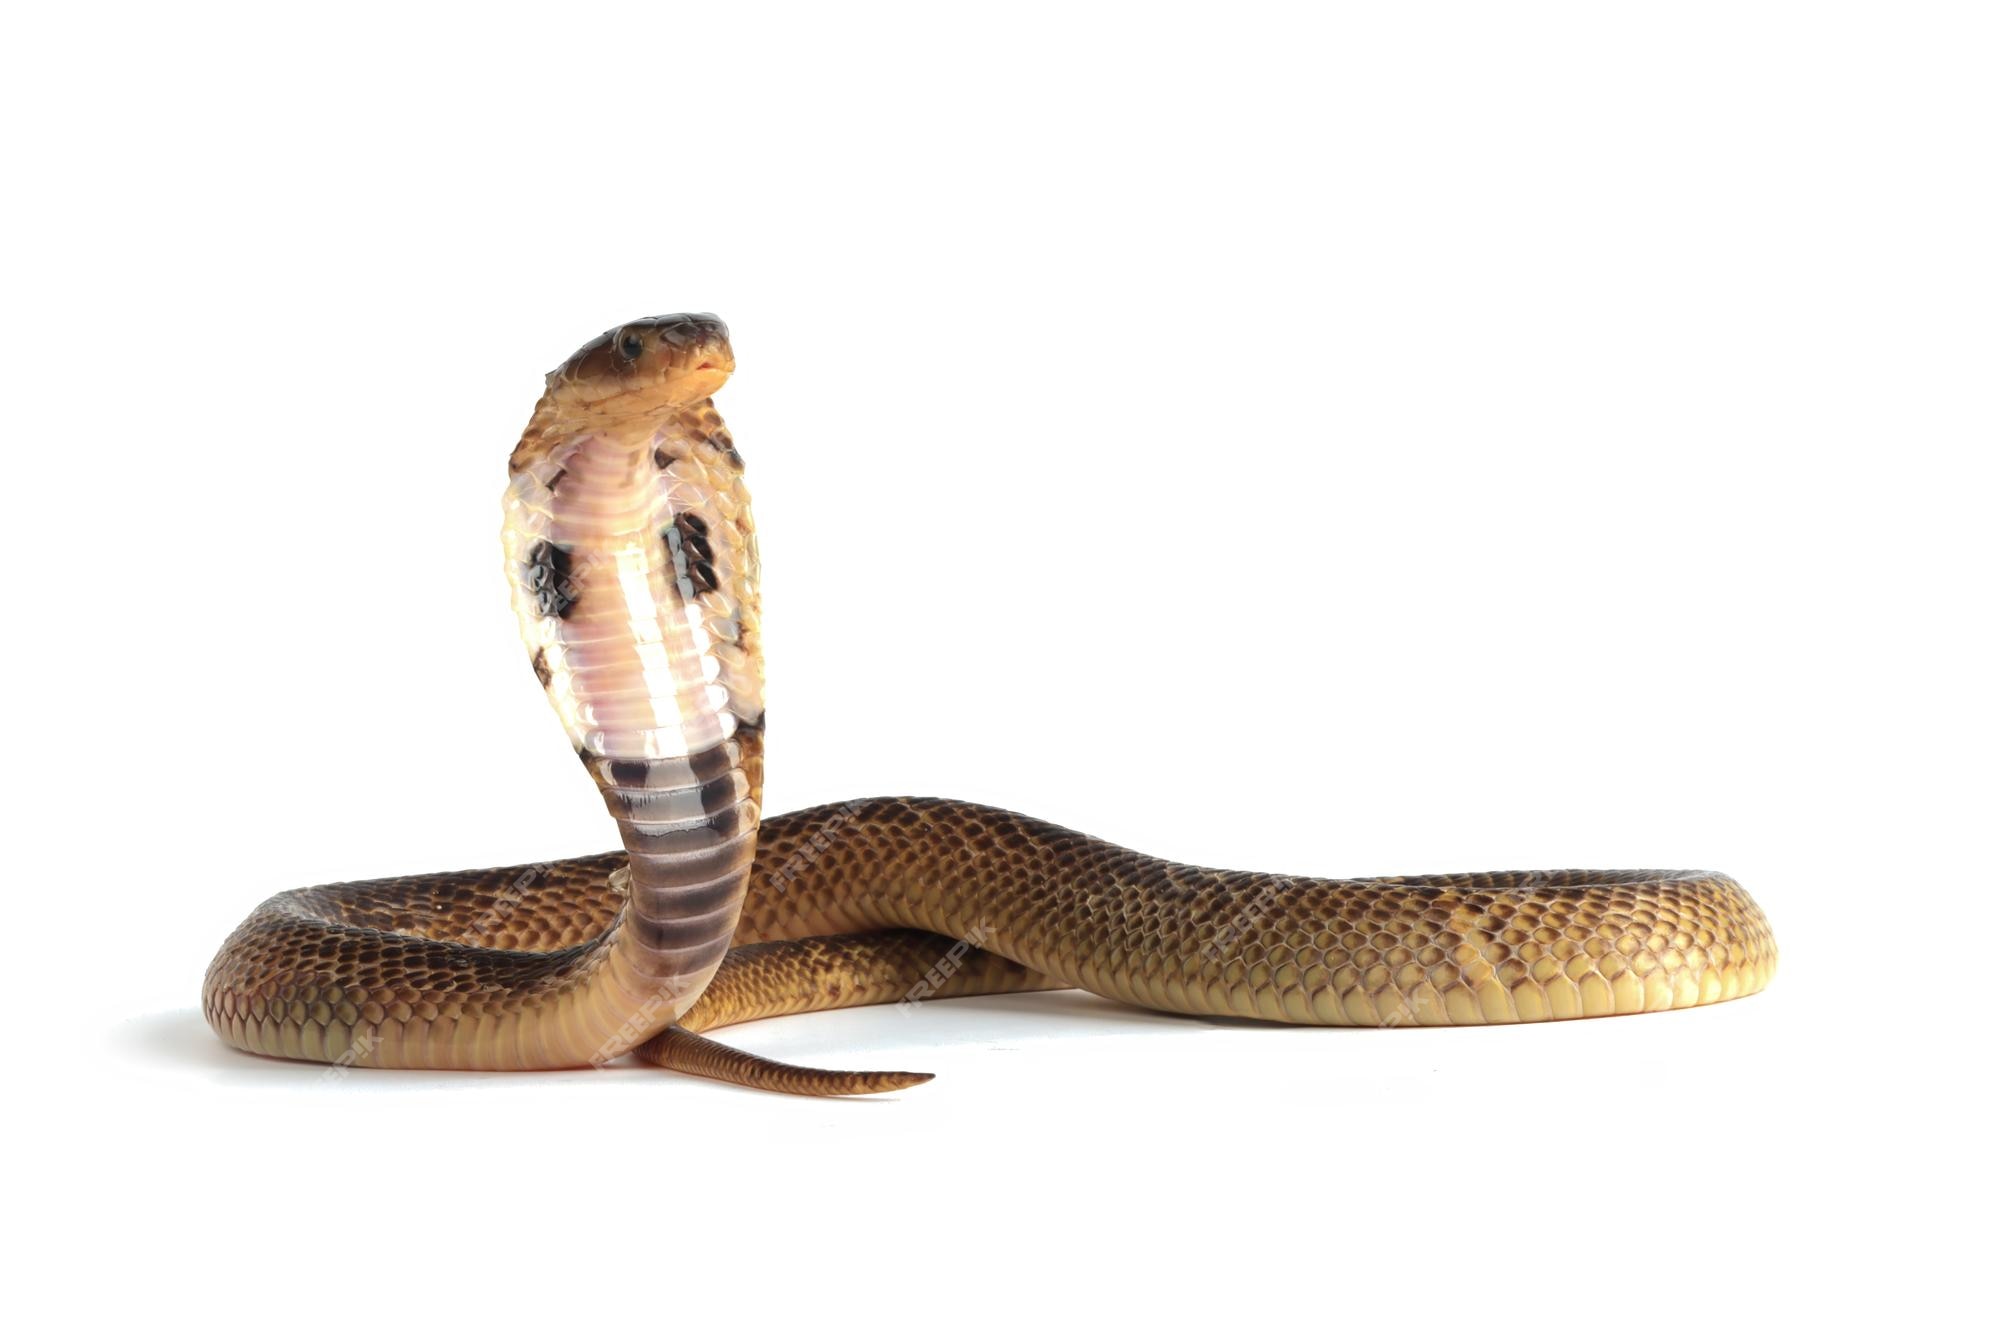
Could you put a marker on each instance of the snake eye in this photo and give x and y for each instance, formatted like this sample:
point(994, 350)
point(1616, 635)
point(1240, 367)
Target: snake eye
point(630, 346)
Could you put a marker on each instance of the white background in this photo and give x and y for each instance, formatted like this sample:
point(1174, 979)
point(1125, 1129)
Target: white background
point(1404, 438)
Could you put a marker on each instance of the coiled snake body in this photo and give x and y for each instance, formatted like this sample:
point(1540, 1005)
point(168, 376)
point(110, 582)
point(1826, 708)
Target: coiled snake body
point(633, 561)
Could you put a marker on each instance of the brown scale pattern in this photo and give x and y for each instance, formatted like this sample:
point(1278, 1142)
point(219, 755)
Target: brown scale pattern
point(778, 977)
point(330, 973)
point(1462, 948)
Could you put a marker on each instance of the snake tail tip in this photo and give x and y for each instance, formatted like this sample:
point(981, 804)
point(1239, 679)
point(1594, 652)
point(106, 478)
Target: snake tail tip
point(679, 1049)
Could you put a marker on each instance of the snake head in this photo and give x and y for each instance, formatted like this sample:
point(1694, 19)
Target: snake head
point(644, 367)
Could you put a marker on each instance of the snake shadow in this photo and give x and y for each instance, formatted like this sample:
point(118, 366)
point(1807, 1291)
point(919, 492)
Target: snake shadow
point(180, 1041)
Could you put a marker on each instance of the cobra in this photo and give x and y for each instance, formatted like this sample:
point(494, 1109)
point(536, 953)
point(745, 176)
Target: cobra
point(633, 562)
